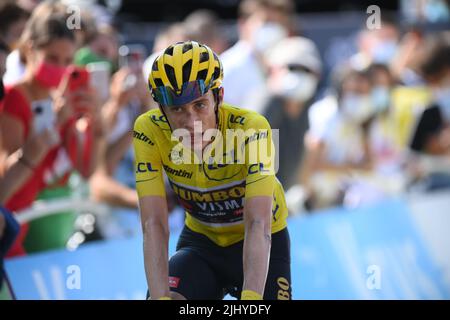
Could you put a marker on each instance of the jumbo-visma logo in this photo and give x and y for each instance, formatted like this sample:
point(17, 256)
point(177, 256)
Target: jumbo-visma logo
point(142, 167)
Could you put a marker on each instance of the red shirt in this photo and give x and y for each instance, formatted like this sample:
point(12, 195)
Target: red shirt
point(53, 169)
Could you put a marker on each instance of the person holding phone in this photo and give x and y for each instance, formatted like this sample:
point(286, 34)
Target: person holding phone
point(69, 140)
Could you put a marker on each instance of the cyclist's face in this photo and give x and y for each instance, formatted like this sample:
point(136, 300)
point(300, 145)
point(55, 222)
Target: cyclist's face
point(195, 117)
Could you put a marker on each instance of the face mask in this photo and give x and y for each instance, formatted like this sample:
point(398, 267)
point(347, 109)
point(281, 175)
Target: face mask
point(384, 52)
point(268, 35)
point(2, 89)
point(381, 97)
point(49, 75)
point(298, 86)
point(442, 98)
point(357, 108)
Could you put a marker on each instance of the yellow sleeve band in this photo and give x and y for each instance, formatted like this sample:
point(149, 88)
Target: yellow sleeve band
point(250, 295)
point(164, 298)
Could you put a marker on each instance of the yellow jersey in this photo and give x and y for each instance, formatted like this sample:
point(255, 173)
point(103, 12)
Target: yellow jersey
point(212, 190)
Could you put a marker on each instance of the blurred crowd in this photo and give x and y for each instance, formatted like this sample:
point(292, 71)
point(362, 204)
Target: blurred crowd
point(376, 126)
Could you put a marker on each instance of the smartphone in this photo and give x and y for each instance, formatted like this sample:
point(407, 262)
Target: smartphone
point(43, 115)
point(132, 56)
point(78, 81)
point(79, 78)
point(99, 79)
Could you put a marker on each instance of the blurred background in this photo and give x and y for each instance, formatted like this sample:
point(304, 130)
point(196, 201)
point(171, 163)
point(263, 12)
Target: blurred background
point(359, 92)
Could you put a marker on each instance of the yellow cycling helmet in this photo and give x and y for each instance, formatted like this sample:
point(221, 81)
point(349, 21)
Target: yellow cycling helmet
point(184, 72)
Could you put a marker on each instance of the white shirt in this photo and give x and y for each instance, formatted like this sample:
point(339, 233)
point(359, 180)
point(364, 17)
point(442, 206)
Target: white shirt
point(15, 69)
point(320, 114)
point(344, 141)
point(244, 80)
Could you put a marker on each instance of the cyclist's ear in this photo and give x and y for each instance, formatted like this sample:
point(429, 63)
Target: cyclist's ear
point(218, 98)
point(220, 93)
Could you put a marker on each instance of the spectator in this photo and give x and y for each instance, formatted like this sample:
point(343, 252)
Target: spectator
point(15, 63)
point(261, 25)
point(202, 26)
point(423, 11)
point(101, 46)
point(33, 107)
point(12, 22)
point(343, 146)
point(120, 111)
point(431, 139)
point(377, 45)
point(383, 133)
point(404, 65)
point(11, 171)
point(436, 70)
point(16, 60)
point(172, 34)
point(387, 177)
point(9, 228)
point(295, 69)
point(58, 227)
point(113, 181)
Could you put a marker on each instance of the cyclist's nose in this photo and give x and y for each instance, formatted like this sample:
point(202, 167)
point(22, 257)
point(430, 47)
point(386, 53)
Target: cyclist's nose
point(191, 117)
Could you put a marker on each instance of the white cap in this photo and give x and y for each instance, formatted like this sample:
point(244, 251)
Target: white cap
point(295, 50)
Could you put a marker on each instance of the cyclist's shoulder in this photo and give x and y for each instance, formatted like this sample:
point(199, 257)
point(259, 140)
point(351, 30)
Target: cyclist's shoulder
point(236, 117)
point(151, 120)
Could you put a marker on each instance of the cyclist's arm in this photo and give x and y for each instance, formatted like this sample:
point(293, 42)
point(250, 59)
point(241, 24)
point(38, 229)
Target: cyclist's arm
point(257, 219)
point(154, 217)
point(260, 184)
point(152, 207)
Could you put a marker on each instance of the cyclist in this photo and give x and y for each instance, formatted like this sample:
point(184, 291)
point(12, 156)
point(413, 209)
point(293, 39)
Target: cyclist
point(235, 238)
